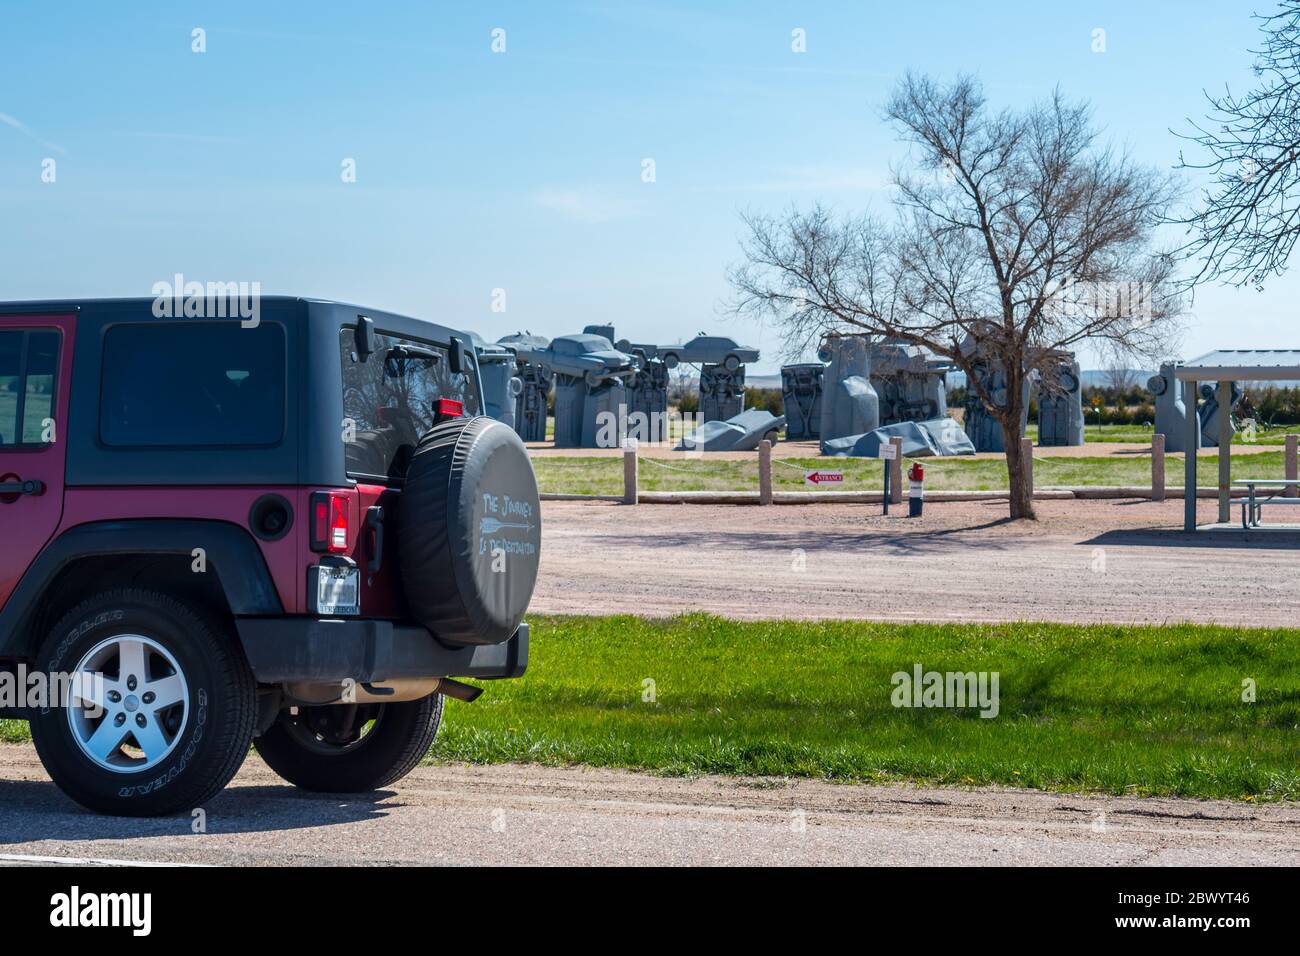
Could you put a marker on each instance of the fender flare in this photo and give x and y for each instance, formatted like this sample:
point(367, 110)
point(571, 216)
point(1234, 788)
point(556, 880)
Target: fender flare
point(232, 555)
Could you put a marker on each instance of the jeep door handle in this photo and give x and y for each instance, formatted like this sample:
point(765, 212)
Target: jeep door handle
point(29, 487)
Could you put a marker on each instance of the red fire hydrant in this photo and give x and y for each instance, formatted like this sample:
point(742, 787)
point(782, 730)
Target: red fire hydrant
point(915, 490)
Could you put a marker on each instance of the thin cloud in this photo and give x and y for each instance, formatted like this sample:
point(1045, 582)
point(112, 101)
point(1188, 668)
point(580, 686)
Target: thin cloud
point(322, 38)
point(589, 206)
point(10, 121)
point(182, 137)
point(815, 179)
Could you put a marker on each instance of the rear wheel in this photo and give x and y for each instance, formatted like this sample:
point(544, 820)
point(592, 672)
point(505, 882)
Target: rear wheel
point(160, 707)
point(351, 748)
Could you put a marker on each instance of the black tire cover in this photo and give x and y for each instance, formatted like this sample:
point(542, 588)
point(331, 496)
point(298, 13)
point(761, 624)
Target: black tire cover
point(469, 503)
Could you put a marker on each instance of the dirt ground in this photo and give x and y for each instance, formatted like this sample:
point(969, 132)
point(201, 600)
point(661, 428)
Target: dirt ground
point(511, 814)
point(1118, 561)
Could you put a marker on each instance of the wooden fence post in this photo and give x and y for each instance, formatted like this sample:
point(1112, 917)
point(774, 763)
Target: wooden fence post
point(1157, 467)
point(630, 473)
point(896, 472)
point(1291, 442)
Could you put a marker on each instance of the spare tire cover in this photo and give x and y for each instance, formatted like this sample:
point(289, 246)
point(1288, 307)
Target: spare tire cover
point(469, 531)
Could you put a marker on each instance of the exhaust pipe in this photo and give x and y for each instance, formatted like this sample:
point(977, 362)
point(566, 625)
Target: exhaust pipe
point(454, 688)
point(324, 693)
point(348, 691)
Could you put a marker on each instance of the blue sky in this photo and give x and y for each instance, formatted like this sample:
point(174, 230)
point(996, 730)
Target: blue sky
point(523, 170)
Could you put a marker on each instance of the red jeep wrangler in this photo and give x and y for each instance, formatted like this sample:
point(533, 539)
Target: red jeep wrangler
point(294, 531)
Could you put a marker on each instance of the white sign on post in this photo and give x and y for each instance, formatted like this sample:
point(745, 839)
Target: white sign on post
point(888, 452)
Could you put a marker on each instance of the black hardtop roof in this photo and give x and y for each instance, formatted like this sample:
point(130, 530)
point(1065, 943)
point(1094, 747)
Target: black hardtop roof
point(392, 321)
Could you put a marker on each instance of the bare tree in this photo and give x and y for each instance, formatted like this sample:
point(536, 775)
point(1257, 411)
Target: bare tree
point(1249, 218)
point(1015, 235)
point(1120, 378)
point(1117, 368)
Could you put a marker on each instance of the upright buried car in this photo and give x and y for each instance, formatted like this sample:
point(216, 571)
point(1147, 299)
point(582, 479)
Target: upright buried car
point(295, 531)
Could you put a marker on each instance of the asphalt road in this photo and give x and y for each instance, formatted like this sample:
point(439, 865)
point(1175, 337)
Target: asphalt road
point(535, 815)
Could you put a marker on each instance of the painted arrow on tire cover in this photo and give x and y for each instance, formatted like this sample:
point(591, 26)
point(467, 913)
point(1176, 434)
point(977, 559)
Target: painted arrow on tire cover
point(491, 525)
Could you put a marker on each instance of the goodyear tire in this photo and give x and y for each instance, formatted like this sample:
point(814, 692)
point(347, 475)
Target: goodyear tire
point(172, 719)
point(469, 532)
point(351, 748)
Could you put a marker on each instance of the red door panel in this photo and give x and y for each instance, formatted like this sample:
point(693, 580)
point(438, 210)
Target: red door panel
point(35, 380)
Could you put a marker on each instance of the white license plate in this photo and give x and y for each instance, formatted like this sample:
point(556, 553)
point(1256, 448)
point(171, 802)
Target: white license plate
point(338, 590)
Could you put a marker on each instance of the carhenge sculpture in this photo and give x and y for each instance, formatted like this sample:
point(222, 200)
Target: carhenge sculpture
point(1171, 411)
point(646, 393)
point(1060, 401)
point(801, 392)
point(850, 405)
point(648, 390)
point(722, 372)
point(865, 405)
point(983, 429)
point(591, 379)
point(909, 381)
point(535, 380)
point(1210, 411)
point(502, 385)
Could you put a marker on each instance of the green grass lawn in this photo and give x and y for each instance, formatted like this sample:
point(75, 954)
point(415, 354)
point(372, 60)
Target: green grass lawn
point(1142, 433)
point(604, 476)
point(1144, 710)
point(13, 732)
point(1148, 710)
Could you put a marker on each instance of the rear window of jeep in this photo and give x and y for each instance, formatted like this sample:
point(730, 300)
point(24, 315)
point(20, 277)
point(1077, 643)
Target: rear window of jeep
point(204, 383)
point(389, 401)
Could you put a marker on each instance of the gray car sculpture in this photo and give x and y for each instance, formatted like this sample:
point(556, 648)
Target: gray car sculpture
point(590, 357)
point(709, 350)
point(742, 432)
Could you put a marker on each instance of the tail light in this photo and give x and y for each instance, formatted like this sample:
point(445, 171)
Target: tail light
point(330, 533)
point(447, 408)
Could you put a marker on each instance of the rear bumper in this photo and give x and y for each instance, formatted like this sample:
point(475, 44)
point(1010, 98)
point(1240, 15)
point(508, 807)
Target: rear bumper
point(307, 649)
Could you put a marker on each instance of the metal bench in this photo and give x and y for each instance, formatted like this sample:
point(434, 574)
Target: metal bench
point(1252, 506)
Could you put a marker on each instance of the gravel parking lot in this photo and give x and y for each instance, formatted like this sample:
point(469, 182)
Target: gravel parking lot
point(1120, 561)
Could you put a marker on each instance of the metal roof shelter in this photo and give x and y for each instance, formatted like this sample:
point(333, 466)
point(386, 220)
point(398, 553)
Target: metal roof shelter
point(1225, 367)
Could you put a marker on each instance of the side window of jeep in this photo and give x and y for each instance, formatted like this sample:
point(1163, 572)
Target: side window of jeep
point(192, 384)
point(389, 401)
point(28, 361)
